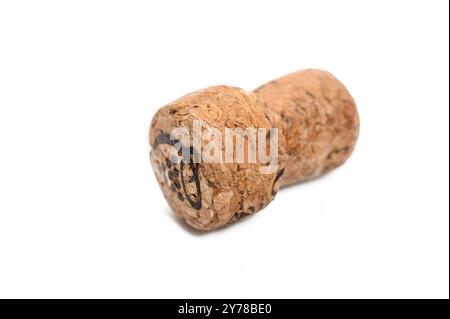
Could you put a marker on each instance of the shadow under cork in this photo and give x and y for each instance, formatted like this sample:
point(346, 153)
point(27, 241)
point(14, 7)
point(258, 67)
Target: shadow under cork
point(310, 181)
point(243, 218)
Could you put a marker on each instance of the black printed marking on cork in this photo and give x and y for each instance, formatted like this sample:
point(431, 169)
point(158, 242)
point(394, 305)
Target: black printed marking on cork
point(197, 201)
point(279, 174)
point(194, 200)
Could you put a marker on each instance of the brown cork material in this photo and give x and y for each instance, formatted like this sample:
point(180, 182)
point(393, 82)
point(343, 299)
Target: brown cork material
point(317, 126)
point(318, 120)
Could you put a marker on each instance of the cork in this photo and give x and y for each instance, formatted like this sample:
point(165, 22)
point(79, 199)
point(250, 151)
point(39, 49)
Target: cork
point(308, 115)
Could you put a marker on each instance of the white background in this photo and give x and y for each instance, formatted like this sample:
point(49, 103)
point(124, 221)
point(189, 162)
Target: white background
point(81, 214)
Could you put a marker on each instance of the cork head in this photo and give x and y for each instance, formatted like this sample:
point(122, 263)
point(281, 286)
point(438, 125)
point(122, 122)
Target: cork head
point(206, 155)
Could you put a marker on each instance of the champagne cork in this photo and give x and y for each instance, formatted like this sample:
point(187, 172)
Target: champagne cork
point(223, 152)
